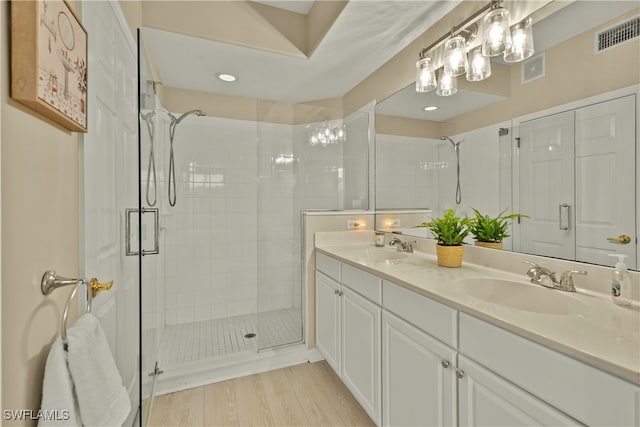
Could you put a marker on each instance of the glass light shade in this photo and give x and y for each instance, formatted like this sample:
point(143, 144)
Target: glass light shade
point(497, 37)
point(479, 65)
point(447, 85)
point(425, 75)
point(455, 62)
point(341, 133)
point(521, 42)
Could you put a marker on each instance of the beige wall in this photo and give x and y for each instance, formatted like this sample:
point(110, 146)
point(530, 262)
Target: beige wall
point(401, 126)
point(240, 108)
point(132, 10)
point(39, 231)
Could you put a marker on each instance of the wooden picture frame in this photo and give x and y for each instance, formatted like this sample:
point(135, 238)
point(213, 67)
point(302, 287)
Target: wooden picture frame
point(49, 61)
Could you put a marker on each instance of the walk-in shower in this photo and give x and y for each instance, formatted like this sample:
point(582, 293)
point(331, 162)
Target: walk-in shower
point(224, 294)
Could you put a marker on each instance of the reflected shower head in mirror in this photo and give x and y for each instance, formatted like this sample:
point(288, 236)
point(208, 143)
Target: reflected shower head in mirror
point(455, 144)
point(456, 147)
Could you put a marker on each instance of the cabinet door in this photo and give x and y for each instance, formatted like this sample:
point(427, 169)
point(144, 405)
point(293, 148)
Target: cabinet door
point(361, 351)
point(485, 399)
point(328, 320)
point(418, 375)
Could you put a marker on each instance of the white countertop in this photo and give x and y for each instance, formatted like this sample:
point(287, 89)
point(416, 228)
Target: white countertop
point(604, 335)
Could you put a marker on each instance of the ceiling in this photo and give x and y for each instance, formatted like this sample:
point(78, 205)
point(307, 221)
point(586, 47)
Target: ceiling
point(298, 6)
point(364, 36)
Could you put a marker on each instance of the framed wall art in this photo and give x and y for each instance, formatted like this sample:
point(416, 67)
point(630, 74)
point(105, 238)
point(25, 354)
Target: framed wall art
point(49, 61)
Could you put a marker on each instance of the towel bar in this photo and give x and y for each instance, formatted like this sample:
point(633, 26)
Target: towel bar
point(51, 281)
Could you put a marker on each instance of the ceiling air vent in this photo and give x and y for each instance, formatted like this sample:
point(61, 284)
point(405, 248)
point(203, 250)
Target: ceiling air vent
point(617, 34)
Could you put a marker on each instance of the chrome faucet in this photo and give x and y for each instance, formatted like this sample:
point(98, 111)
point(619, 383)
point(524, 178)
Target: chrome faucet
point(545, 277)
point(402, 246)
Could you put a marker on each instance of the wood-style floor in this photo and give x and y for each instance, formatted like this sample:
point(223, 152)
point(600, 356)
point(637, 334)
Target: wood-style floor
point(309, 394)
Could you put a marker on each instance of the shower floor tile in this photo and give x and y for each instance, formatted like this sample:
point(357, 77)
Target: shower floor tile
point(189, 342)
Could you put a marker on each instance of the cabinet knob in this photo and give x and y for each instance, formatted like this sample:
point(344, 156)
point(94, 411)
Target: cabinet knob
point(336, 292)
point(340, 293)
point(460, 373)
point(445, 364)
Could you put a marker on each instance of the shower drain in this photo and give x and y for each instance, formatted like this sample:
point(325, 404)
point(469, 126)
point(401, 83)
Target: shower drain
point(250, 335)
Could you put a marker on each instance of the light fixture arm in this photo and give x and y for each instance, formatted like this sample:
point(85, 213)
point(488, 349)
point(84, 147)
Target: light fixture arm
point(460, 27)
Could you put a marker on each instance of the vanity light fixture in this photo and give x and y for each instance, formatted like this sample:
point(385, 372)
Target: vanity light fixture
point(447, 84)
point(455, 54)
point(497, 36)
point(226, 77)
point(425, 75)
point(521, 42)
point(479, 65)
point(515, 43)
point(430, 108)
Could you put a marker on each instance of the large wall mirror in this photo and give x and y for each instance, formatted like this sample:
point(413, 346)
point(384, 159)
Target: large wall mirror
point(554, 137)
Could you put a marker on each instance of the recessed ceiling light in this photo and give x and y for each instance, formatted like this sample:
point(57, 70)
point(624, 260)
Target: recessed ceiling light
point(430, 108)
point(226, 77)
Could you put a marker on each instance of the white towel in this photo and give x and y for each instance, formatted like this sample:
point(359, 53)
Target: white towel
point(102, 399)
point(59, 406)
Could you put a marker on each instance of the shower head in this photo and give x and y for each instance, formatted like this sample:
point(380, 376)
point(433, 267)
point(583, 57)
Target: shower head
point(175, 120)
point(455, 144)
point(446, 138)
point(148, 116)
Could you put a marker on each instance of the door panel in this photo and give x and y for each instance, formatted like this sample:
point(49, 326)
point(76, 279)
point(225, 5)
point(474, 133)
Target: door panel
point(109, 167)
point(546, 186)
point(605, 182)
point(328, 320)
point(361, 350)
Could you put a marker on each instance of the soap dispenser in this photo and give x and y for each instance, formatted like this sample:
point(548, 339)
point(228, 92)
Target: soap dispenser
point(620, 281)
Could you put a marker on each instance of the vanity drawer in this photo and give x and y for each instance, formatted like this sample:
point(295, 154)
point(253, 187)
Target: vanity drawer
point(589, 395)
point(434, 318)
point(328, 265)
point(366, 284)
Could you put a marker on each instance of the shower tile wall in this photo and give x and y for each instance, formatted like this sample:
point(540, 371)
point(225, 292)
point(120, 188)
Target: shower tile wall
point(417, 172)
point(277, 263)
point(407, 172)
point(211, 234)
point(233, 237)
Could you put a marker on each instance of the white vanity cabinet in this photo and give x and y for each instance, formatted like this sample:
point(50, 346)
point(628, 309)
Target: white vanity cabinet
point(348, 329)
point(506, 379)
point(411, 360)
point(328, 334)
point(485, 399)
point(418, 376)
point(419, 337)
point(361, 351)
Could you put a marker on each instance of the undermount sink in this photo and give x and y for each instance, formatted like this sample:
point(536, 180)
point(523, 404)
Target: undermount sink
point(383, 256)
point(522, 296)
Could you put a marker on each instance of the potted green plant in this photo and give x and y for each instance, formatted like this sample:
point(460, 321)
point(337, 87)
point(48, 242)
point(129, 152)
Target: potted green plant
point(490, 232)
point(450, 231)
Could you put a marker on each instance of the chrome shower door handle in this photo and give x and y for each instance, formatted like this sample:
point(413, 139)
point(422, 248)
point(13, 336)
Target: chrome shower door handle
point(563, 216)
point(129, 214)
